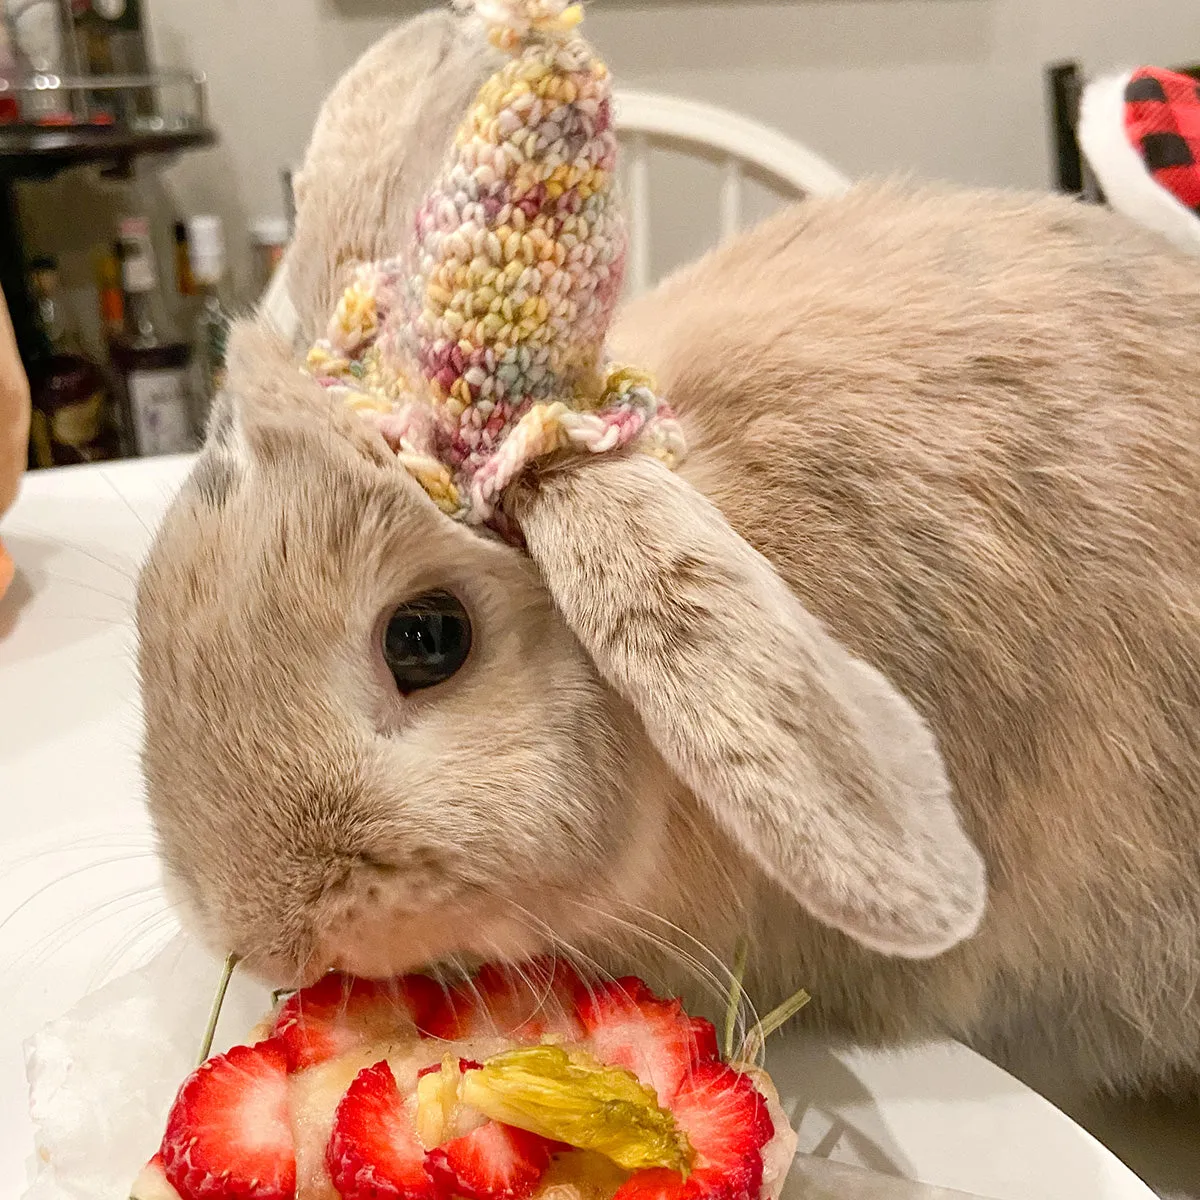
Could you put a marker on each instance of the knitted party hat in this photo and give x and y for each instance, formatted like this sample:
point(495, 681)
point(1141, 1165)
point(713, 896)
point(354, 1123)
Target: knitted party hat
point(1140, 133)
point(479, 350)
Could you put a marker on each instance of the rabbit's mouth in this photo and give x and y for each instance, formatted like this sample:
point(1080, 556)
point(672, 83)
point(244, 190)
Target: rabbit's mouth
point(380, 943)
point(375, 946)
point(380, 923)
point(382, 932)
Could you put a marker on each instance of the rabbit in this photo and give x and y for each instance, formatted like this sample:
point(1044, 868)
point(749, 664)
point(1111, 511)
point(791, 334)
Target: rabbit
point(897, 677)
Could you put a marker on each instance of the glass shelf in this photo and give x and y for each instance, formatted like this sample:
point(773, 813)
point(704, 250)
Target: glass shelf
point(54, 122)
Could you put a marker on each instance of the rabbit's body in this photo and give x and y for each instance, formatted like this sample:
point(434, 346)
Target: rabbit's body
point(944, 465)
point(965, 429)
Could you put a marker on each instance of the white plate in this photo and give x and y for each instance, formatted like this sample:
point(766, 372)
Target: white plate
point(77, 842)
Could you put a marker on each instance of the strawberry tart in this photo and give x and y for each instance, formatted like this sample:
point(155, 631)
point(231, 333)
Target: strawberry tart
point(519, 1083)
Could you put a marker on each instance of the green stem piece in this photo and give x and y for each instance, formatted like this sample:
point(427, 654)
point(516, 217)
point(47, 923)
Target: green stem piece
point(736, 991)
point(756, 1039)
point(214, 1015)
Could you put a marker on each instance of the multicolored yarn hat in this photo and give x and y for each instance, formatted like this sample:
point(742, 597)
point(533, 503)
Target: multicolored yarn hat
point(480, 350)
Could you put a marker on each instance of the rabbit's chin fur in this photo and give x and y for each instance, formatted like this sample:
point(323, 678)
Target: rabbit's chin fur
point(899, 677)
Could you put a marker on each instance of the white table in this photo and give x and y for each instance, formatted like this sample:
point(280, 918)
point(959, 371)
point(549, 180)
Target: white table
point(69, 728)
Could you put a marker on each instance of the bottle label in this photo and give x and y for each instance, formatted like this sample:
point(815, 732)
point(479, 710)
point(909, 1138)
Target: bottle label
point(112, 309)
point(138, 273)
point(161, 411)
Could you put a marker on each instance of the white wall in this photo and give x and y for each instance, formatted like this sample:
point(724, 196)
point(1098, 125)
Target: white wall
point(946, 88)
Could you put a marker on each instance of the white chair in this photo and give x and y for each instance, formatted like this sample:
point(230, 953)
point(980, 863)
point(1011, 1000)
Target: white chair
point(744, 149)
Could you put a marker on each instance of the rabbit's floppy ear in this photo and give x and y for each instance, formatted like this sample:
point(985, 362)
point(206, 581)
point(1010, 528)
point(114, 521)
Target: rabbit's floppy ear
point(807, 756)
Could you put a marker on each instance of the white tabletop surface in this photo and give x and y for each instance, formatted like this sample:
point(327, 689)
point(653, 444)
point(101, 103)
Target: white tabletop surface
point(79, 901)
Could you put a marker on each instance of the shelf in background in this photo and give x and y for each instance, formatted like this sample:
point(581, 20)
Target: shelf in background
point(99, 120)
point(55, 122)
point(30, 151)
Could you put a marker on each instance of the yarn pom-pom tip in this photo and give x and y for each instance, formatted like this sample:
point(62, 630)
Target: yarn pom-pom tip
point(512, 23)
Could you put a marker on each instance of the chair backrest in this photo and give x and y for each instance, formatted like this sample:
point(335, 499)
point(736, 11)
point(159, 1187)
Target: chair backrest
point(743, 148)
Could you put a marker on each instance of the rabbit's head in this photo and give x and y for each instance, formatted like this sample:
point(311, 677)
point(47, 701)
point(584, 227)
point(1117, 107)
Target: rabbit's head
point(376, 737)
point(370, 738)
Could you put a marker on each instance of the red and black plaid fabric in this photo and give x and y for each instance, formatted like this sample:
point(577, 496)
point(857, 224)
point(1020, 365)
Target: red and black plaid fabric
point(1162, 121)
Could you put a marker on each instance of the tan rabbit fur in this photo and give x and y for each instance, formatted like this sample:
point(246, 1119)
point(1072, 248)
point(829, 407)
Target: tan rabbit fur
point(965, 428)
point(951, 435)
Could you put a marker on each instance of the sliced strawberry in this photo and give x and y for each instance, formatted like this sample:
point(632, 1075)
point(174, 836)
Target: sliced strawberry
point(629, 1026)
point(524, 1003)
point(373, 1152)
point(152, 1183)
point(493, 1162)
point(726, 1120)
point(660, 1184)
point(313, 1098)
point(339, 1013)
point(228, 1135)
point(440, 1114)
point(464, 1065)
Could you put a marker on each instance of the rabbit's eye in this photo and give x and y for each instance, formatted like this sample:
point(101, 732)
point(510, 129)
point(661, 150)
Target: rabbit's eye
point(426, 641)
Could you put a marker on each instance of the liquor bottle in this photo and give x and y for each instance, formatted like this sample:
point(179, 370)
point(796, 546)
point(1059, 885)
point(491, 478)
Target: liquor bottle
point(185, 280)
point(10, 67)
point(110, 37)
point(206, 236)
point(269, 236)
point(108, 289)
point(73, 420)
point(186, 299)
point(151, 361)
point(42, 49)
